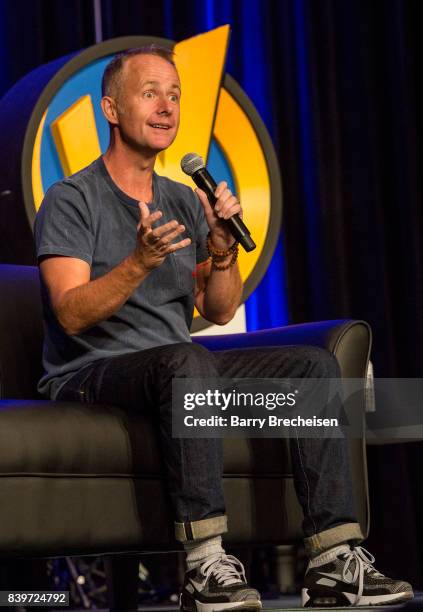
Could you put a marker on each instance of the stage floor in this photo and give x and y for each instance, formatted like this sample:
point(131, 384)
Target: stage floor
point(290, 603)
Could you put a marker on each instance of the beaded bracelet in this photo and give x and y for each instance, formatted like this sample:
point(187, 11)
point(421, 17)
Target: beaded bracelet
point(218, 255)
point(217, 252)
point(220, 266)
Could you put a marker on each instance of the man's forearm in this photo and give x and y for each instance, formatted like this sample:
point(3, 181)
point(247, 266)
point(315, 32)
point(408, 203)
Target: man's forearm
point(222, 294)
point(88, 304)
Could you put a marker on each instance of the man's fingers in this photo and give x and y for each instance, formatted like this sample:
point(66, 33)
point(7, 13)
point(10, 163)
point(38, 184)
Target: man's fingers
point(151, 237)
point(167, 238)
point(146, 217)
point(223, 208)
point(226, 206)
point(222, 193)
point(232, 210)
point(224, 196)
point(147, 220)
point(162, 239)
point(208, 210)
point(144, 210)
point(176, 246)
point(220, 188)
point(156, 243)
point(202, 197)
point(162, 236)
point(167, 227)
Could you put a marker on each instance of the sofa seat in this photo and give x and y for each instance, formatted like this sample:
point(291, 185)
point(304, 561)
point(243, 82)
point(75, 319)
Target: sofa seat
point(64, 464)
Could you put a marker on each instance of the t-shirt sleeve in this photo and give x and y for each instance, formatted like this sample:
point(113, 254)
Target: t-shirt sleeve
point(64, 224)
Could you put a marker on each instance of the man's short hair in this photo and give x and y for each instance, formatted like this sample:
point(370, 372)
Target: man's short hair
point(112, 76)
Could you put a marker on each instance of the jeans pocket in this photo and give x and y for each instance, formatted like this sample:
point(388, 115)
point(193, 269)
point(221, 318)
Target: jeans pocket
point(76, 389)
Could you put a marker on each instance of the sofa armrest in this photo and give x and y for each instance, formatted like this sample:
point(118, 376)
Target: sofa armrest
point(348, 340)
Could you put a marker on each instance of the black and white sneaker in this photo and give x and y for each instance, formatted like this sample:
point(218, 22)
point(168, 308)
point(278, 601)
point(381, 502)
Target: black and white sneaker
point(218, 584)
point(345, 576)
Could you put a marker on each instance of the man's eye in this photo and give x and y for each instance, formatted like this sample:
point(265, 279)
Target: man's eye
point(148, 94)
point(174, 98)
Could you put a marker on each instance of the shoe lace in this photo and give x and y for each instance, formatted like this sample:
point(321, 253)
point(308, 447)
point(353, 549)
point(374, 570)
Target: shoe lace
point(227, 569)
point(363, 563)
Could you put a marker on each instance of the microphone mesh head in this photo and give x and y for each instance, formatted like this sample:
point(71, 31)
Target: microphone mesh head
point(191, 162)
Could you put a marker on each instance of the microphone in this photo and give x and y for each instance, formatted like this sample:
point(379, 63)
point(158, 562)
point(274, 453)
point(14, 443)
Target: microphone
point(193, 165)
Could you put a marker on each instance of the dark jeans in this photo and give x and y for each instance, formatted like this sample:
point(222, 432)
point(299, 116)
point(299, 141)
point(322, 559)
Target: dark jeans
point(143, 381)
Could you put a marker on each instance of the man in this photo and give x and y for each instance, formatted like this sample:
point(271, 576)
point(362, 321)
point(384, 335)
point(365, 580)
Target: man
point(117, 247)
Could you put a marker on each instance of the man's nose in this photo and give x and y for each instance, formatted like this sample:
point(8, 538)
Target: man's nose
point(164, 106)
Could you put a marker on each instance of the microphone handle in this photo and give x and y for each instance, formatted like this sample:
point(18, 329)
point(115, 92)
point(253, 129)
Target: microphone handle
point(238, 229)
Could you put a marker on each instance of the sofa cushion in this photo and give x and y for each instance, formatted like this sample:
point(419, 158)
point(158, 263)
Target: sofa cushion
point(42, 437)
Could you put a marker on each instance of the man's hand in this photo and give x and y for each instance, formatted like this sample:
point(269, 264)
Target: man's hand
point(226, 206)
point(154, 244)
point(79, 303)
point(218, 292)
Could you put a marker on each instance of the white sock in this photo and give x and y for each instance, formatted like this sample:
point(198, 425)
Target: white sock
point(329, 555)
point(199, 551)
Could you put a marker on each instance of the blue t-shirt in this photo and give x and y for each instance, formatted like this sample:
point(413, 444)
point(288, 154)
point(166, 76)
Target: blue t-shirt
point(88, 217)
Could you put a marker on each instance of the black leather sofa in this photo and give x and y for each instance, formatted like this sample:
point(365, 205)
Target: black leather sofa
point(78, 479)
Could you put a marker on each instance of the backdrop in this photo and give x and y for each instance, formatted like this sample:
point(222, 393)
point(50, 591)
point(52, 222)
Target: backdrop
point(338, 85)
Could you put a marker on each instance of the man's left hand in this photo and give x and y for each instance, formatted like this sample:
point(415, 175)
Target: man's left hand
point(226, 206)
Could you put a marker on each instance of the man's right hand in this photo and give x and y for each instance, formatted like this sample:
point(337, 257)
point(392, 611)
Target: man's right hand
point(154, 244)
point(79, 302)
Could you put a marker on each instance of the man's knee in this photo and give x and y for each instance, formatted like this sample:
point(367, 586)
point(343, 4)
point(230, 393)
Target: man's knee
point(190, 360)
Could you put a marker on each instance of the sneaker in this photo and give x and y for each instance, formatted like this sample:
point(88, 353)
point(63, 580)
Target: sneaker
point(345, 576)
point(218, 584)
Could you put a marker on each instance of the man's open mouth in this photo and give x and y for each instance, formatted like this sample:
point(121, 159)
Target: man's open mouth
point(160, 126)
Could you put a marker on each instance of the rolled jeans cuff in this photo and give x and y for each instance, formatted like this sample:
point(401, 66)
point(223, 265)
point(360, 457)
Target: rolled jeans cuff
point(329, 538)
point(201, 530)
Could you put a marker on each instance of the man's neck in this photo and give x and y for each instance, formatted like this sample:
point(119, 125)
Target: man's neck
point(131, 171)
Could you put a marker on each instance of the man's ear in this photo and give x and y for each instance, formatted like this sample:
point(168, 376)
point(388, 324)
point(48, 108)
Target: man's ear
point(109, 108)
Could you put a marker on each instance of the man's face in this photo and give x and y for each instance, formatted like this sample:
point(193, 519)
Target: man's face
point(148, 103)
